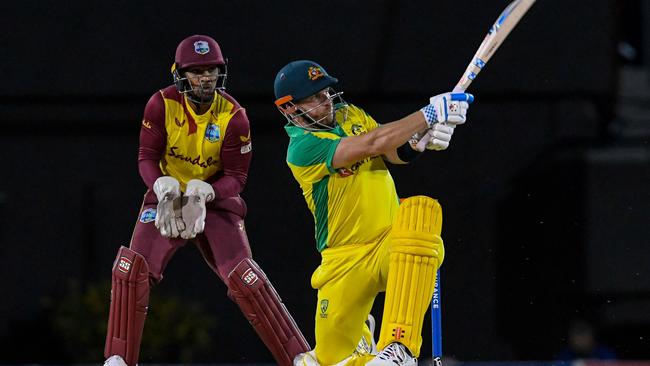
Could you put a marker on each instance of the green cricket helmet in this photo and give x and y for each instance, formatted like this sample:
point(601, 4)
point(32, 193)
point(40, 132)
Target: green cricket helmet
point(301, 79)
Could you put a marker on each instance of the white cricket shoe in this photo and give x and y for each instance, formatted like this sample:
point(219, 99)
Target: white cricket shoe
point(394, 354)
point(306, 359)
point(366, 346)
point(115, 360)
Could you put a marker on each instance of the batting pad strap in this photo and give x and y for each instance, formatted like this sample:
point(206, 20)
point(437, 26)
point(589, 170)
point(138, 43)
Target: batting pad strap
point(249, 287)
point(415, 255)
point(128, 309)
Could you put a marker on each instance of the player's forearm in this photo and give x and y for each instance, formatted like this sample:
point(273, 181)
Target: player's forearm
point(229, 186)
point(383, 140)
point(149, 171)
point(388, 137)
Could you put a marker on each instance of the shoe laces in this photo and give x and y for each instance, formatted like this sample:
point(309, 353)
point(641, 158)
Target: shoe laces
point(394, 350)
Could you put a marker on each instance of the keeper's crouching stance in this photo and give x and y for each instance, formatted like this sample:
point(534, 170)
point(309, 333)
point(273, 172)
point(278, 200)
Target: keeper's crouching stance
point(194, 154)
point(247, 285)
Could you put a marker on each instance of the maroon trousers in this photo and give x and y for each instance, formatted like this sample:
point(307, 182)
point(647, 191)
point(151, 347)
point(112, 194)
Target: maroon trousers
point(223, 243)
point(224, 246)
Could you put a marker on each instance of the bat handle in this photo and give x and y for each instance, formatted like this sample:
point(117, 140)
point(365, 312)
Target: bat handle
point(458, 89)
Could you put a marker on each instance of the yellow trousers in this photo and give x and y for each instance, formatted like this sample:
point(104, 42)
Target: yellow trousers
point(348, 280)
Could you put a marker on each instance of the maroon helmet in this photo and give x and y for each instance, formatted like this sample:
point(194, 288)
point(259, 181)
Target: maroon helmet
point(199, 50)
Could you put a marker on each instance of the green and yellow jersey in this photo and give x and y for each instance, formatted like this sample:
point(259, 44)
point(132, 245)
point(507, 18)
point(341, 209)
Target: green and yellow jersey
point(351, 205)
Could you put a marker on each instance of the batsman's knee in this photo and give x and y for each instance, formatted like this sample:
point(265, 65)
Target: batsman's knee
point(417, 228)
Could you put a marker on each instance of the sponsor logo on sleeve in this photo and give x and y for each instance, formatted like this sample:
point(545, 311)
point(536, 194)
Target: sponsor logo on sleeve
point(245, 149)
point(146, 124)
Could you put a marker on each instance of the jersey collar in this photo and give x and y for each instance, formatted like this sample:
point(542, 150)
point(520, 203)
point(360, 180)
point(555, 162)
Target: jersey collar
point(295, 131)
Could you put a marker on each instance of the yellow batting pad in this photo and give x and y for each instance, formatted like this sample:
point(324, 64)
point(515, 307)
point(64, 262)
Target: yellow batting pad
point(415, 255)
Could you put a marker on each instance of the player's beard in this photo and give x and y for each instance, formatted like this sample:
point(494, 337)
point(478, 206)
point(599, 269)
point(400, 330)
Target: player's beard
point(204, 92)
point(328, 119)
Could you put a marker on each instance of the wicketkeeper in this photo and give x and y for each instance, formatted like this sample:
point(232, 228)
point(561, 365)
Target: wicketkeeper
point(194, 155)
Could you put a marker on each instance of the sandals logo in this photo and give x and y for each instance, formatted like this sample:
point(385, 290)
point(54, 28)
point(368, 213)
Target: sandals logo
point(324, 304)
point(194, 161)
point(315, 73)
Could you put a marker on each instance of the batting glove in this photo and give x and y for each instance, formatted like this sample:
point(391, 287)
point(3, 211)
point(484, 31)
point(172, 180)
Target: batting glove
point(448, 108)
point(436, 138)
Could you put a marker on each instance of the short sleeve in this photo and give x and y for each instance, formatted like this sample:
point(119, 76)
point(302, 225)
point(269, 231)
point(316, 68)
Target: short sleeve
point(310, 155)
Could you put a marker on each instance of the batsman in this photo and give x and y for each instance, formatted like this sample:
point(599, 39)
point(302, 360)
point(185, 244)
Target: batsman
point(369, 242)
point(194, 154)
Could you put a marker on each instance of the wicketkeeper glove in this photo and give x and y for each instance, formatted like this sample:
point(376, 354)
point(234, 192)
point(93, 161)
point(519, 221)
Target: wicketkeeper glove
point(168, 218)
point(197, 193)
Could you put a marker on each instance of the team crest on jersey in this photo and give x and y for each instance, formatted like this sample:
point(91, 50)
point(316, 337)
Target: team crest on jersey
point(315, 73)
point(324, 304)
point(178, 122)
point(148, 215)
point(357, 129)
point(201, 47)
point(213, 132)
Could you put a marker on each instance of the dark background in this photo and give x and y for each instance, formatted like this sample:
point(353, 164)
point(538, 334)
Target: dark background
point(545, 190)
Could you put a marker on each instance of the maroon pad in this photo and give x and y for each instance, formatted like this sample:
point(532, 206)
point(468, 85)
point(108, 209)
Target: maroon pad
point(250, 288)
point(129, 300)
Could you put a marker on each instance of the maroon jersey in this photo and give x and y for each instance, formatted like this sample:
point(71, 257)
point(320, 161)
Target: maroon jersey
point(214, 146)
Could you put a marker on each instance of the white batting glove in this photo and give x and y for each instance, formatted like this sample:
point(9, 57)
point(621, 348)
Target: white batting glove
point(419, 141)
point(168, 218)
point(436, 138)
point(450, 108)
point(197, 193)
point(440, 136)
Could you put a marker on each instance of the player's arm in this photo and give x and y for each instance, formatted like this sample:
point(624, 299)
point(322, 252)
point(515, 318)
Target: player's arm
point(236, 153)
point(404, 154)
point(153, 139)
point(443, 109)
point(380, 141)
